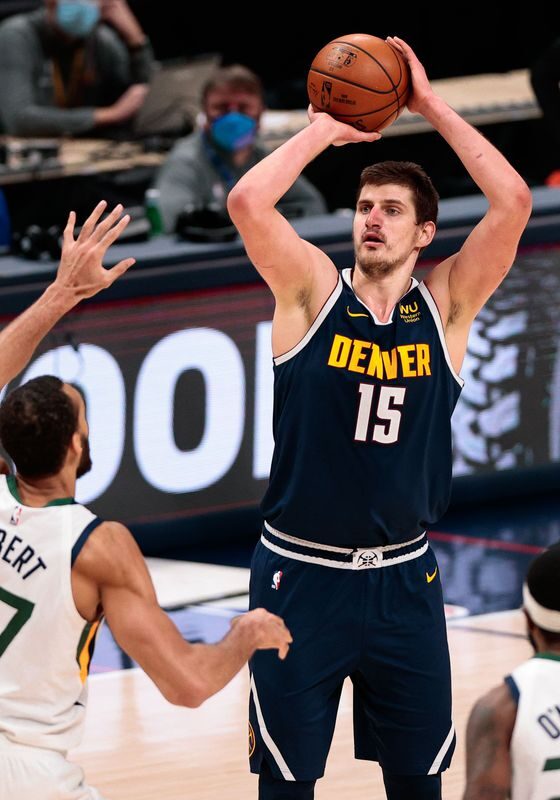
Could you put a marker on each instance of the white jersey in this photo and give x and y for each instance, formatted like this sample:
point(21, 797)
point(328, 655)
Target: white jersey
point(45, 645)
point(535, 742)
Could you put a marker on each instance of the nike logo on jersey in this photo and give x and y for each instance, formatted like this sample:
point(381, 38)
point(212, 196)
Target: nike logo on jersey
point(355, 313)
point(430, 578)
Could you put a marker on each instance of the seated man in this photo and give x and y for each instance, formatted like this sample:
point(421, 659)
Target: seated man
point(202, 168)
point(71, 68)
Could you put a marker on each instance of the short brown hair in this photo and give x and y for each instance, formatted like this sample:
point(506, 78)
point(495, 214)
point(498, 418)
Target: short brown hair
point(405, 173)
point(236, 77)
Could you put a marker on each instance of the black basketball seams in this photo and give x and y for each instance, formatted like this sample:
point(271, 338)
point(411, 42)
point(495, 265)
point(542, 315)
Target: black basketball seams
point(396, 100)
point(351, 83)
point(373, 58)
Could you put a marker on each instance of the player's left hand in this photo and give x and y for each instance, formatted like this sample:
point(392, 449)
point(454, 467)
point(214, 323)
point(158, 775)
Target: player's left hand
point(421, 91)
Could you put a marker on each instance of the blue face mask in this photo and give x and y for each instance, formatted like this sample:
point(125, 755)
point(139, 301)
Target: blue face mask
point(233, 131)
point(76, 18)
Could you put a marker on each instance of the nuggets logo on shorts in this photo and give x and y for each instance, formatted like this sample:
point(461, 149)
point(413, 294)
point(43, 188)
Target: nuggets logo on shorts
point(251, 740)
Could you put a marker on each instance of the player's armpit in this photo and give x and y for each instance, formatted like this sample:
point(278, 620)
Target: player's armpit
point(289, 264)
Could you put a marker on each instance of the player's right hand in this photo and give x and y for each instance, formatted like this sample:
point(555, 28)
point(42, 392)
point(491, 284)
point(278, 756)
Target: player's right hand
point(269, 631)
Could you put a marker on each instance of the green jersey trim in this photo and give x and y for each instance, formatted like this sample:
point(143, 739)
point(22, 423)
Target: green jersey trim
point(12, 486)
point(548, 656)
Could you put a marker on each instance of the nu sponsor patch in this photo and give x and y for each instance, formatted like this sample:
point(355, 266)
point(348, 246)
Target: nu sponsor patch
point(409, 312)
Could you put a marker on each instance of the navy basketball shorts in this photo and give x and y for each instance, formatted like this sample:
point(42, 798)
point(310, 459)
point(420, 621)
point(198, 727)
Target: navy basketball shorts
point(374, 615)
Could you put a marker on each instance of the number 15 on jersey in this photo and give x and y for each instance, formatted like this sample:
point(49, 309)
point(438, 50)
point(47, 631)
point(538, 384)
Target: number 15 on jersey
point(387, 415)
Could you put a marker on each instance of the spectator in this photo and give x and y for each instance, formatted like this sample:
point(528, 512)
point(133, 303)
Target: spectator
point(72, 67)
point(202, 168)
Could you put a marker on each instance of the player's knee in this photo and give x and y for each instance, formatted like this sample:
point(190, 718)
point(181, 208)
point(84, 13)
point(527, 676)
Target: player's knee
point(271, 788)
point(412, 787)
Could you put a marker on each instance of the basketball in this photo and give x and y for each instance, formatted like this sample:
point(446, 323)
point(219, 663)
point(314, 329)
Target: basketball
point(361, 80)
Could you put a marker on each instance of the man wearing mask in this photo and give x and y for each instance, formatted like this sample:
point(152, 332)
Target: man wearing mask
point(202, 168)
point(72, 67)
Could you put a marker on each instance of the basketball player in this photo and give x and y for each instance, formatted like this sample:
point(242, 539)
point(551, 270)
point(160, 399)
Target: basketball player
point(366, 377)
point(513, 735)
point(62, 569)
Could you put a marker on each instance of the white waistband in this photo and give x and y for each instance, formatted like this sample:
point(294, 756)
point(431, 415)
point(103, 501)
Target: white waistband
point(362, 557)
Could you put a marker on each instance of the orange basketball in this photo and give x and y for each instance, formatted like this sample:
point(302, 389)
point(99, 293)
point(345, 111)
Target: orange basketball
point(361, 80)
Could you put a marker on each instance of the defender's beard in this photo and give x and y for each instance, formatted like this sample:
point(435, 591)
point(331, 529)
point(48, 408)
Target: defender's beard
point(85, 461)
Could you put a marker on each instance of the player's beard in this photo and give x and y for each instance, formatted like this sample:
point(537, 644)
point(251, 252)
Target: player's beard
point(373, 266)
point(85, 461)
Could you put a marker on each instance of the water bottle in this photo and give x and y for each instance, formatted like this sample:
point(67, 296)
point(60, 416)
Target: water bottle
point(153, 211)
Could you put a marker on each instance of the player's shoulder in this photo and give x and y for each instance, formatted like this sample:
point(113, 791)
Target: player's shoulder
point(109, 540)
point(112, 533)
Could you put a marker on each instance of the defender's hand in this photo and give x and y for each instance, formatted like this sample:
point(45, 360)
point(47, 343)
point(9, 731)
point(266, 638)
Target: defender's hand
point(268, 631)
point(81, 271)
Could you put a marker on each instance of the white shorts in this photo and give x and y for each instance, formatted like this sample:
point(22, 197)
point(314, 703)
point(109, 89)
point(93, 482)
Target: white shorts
point(30, 773)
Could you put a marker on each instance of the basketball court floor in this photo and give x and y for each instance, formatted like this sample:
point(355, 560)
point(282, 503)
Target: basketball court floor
point(137, 746)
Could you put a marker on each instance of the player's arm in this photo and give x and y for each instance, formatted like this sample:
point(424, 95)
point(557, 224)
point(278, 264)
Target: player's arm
point(463, 283)
point(290, 265)
point(489, 731)
point(110, 575)
point(80, 274)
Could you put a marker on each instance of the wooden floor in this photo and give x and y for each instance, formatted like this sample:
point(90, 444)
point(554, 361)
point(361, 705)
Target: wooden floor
point(138, 747)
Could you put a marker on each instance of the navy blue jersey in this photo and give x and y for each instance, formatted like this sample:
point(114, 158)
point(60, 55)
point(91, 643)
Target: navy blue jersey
point(362, 424)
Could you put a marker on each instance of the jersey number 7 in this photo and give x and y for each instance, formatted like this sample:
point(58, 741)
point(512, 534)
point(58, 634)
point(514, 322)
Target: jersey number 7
point(24, 609)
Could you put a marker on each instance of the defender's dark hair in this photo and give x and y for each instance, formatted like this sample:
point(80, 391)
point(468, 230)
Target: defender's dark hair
point(37, 421)
point(405, 173)
point(236, 77)
point(543, 582)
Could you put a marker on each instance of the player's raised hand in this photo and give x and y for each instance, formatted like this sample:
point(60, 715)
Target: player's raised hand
point(268, 632)
point(81, 272)
point(421, 90)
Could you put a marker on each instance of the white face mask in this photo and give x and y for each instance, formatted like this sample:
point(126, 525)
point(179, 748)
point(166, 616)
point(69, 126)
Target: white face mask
point(77, 18)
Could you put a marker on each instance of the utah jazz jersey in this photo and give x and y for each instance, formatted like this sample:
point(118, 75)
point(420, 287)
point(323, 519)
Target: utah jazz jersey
point(535, 742)
point(362, 424)
point(45, 645)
